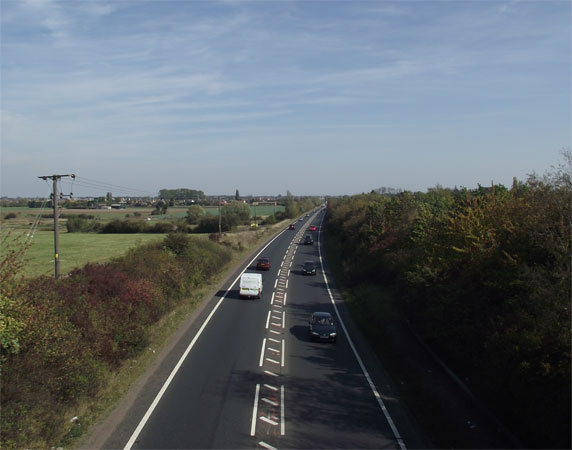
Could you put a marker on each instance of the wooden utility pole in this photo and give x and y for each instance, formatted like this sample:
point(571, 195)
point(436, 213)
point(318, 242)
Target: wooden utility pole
point(55, 179)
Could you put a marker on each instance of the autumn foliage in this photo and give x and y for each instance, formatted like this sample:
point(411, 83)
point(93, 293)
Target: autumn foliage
point(60, 339)
point(485, 276)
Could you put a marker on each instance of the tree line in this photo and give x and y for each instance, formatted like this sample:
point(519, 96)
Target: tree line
point(484, 275)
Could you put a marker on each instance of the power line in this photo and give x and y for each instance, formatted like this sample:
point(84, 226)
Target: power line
point(104, 186)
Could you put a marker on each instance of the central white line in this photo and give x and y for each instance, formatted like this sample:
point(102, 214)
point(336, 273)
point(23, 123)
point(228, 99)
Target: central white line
point(262, 352)
point(254, 411)
point(282, 421)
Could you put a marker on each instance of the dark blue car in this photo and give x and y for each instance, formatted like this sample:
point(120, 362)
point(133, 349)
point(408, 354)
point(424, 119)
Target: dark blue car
point(322, 327)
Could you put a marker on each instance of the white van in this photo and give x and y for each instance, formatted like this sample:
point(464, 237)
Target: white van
point(250, 285)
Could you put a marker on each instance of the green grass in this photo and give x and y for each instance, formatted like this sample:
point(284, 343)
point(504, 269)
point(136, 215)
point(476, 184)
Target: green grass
point(77, 249)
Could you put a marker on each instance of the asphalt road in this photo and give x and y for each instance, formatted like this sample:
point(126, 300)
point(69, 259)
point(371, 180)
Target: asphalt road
point(247, 375)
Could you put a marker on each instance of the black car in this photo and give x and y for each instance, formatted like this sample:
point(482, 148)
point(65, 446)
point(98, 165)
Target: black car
point(308, 240)
point(309, 268)
point(322, 327)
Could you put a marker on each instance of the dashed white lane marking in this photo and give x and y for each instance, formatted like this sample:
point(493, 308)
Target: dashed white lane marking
point(275, 283)
point(283, 352)
point(254, 411)
point(272, 299)
point(285, 299)
point(284, 318)
point(268, 319)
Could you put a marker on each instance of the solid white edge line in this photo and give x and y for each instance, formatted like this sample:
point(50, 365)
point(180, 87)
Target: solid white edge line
point(262, 352)
point(282, 421)
point(396, 433)
point(254, 411)
point(171, 376)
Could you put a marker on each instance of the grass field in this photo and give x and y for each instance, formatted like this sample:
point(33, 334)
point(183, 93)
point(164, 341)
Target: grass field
point(76, 249)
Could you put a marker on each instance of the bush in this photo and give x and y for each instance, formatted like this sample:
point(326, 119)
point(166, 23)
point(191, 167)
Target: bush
point(10, 216)
point(124, 226)
point(81, 224)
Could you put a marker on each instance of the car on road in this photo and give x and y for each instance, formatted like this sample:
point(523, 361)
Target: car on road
point(308, 240)
point(263, 263)
point(309, 268)
point(300, 219)
point(292, 226)
point(322, 327)
point(312, 228)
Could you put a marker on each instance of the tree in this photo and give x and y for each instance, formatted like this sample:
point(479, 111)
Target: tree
point(237, 195)
point(291, 206)
point(194, 214)
point(236, 212)
point(109, 198)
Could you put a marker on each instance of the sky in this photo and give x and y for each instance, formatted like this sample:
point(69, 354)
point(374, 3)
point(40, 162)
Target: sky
point(312, 97)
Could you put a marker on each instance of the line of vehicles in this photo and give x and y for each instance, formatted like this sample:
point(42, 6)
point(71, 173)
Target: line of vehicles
point(321, 324)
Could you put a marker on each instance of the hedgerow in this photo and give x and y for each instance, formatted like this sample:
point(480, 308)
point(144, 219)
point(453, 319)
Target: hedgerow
point(60, 339)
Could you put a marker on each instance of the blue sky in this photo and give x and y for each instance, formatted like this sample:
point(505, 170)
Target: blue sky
point(314, 97)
